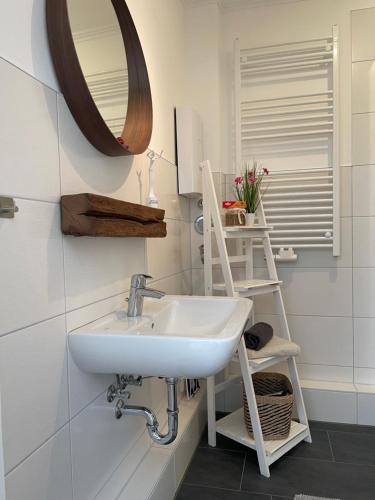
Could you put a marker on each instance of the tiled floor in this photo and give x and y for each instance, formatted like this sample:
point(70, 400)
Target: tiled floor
point(340, 463)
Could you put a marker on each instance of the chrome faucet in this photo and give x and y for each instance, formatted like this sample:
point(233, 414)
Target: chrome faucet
point(138, 291)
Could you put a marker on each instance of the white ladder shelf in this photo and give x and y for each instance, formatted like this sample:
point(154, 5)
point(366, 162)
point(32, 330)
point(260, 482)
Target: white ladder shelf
point(233, 425)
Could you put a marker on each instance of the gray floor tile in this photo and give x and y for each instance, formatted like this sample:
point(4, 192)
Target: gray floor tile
point(319, 448)
point(331, 426)
point(353, 448)
point(188, 492)
point(223, 443)
point(290, 476)
point(216, 468)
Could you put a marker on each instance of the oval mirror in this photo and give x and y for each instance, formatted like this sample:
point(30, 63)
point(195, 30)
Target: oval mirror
point(102, 72)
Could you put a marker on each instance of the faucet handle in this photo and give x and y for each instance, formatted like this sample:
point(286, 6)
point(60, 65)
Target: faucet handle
point(139, 280)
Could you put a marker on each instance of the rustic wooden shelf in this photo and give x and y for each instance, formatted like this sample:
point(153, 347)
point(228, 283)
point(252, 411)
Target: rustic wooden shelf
point(89, 214)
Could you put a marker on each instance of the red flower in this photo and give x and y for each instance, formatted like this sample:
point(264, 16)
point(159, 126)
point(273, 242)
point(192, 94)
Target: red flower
point(252, 178)
point(238, 180)
point(266, 171)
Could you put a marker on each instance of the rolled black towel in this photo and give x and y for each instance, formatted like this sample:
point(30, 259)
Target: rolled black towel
point(258, 335)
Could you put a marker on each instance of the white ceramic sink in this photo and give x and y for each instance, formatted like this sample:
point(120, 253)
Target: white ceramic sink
point(177, 336)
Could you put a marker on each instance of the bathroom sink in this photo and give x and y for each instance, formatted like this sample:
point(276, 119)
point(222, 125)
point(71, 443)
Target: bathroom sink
point(177, 336)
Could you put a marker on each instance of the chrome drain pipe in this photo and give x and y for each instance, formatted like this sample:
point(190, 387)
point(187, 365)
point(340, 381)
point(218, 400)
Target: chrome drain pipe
point(151, 420)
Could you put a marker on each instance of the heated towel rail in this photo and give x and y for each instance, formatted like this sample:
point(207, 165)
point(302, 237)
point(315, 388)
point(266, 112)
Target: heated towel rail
point(294, 133)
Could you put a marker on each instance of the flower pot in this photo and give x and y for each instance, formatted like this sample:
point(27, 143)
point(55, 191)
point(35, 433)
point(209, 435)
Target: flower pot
point(250, 219)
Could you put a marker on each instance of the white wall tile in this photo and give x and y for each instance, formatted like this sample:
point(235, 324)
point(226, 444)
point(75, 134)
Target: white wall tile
point(346, 191)
point(323, 340)
point(88, 314)
point(363, 22)
point(177, 284)
point(123, 473)
point(165, 488)
point(363, 127)
point(100, 442)
point(23, 39)
point(154, 479)
point(170, 255)
point(331, 406)
point(84, 387)
point(197, 281)
point(31, 265)
point(313, 292)
point(33, 373)
point(366, 409)
point(365, 376)
point(364, 342)
point(46, 474)
point(97, 268)
point(29, 169)
point(363, 87)
point(186, 447)
point(326, 372)
point(364, 292)
point(364, 190)
point(364, 241)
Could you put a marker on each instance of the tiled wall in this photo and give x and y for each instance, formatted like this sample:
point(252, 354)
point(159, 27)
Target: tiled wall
point(61, 440)
point(363, 109)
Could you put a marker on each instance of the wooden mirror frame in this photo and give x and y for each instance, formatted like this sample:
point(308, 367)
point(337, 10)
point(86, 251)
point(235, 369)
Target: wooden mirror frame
point(136, 134)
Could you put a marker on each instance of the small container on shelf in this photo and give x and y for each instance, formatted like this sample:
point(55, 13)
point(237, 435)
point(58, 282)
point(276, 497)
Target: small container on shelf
point(234, 213)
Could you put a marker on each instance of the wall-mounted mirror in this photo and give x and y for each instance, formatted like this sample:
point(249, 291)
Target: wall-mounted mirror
point(101, 69)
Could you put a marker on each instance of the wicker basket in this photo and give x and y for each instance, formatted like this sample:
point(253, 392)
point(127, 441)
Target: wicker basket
point(231, 219)
point(275, 412)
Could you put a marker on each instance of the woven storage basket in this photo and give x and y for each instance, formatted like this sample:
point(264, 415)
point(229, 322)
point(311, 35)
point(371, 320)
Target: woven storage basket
point(275, 412)
point(231, 219)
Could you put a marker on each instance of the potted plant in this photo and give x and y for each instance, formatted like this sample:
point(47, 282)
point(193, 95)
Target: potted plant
point(248, 189)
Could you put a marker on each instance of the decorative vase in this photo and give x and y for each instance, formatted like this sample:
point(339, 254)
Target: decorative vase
point(250, 219)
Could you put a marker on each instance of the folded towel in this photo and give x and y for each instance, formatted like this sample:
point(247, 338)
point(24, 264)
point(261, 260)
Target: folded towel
point(258, 335)
point(277, 346)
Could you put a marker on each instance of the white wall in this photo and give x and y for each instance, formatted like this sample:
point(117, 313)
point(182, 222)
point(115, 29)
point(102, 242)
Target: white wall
point(329, 300)
point(203, 25)
point(363, 64)
point(61, 440)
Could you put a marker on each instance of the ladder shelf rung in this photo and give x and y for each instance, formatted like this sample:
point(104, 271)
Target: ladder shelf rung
point(232, 259)
point(258, 365)
point(245, 286)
